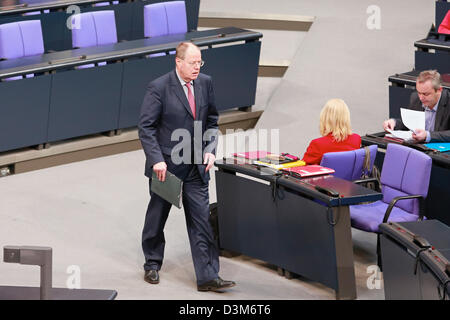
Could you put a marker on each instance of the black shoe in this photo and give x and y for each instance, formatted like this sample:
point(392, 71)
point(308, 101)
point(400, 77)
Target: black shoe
point(216, 285)
point(151, 276)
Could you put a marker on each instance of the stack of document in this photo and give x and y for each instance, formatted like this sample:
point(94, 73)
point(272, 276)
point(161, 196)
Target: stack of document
point(292, 164)
point(252, 155)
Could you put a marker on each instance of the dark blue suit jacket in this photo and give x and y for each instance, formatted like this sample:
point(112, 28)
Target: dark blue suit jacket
point(164, 110)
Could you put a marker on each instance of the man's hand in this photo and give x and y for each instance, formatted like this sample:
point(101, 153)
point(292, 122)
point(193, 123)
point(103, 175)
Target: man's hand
point(209, 160)
point(419, 135)
point(160, 169)
point(389, 124)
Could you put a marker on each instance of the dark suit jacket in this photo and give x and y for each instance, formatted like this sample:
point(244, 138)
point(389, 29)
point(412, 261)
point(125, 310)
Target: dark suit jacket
point(442, 122)
point(164, 110)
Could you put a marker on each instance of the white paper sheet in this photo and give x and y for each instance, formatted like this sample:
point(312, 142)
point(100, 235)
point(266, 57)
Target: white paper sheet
point(405, 135)
point(413, 119)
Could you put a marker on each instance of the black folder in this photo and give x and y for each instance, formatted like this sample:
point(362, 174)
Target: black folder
point(170, 189)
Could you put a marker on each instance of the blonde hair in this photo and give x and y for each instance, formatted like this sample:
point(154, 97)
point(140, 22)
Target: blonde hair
point(335, 119)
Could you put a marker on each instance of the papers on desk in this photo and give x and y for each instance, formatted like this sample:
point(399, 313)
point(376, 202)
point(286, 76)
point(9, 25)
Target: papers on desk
point(292, 164)
point(252, 155)
point(405, 135)
point(412, 120)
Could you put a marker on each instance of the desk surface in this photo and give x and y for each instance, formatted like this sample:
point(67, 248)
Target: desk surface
point(121, 50)
point(350, 193)
point(433, 44)
point(440, 158)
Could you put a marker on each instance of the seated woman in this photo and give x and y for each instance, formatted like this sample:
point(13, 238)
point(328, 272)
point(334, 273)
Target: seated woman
point(336, 132)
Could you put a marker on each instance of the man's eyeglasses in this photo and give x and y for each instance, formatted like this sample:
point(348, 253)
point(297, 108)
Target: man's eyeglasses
point(195, 63)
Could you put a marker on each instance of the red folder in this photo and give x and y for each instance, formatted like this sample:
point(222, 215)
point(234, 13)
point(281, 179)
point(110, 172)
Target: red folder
point(252, 155)
point(445, 24)
point(308, 171)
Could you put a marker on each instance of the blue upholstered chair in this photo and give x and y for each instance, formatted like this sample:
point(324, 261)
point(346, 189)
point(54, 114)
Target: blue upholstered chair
point(349, 165)
point(21, 39)
point(164, 18)
point(95, 28)
point(405, 178)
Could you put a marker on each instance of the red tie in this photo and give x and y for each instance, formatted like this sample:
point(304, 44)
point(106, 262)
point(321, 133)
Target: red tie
point(191, 99)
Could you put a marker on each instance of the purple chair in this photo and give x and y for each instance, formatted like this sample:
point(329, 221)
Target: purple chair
point(21, 39)
point(155, 20)
point(405, 178)
point(95, 29)
point(348, 165)
point(164, 18)
point(176, 17)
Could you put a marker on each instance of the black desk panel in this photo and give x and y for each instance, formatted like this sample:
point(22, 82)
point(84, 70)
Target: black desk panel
point(223, 64)
point(135, 83)
point(253, 220)
point(225, 73)
point(24, 117)
point(296, 227)
point(437, 205)
point(432, 54)
point(84, 102)
point(401, 278)
point(439, 60)
point(104, 98)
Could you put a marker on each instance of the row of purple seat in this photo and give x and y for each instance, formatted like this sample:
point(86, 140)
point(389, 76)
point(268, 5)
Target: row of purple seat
point(24, 38)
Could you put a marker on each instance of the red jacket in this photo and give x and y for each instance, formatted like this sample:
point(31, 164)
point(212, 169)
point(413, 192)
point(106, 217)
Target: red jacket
point(318, 147)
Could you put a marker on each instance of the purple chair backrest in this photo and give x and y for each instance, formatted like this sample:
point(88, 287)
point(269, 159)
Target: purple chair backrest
point(405, 172)
point(155, 20)
point(105, 25)
point(348, 165)
point(95, 28)
point(165, 18)
point(176, 17)
point(21, 39)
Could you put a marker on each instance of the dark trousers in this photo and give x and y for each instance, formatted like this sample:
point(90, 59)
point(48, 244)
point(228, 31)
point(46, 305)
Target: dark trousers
point(196, 209)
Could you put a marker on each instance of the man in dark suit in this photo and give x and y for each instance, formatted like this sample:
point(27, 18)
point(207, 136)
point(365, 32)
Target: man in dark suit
point(181, 104)
point(434, 100)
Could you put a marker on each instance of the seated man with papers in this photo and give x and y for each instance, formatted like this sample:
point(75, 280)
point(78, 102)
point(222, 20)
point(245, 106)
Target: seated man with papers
point(428, 117)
